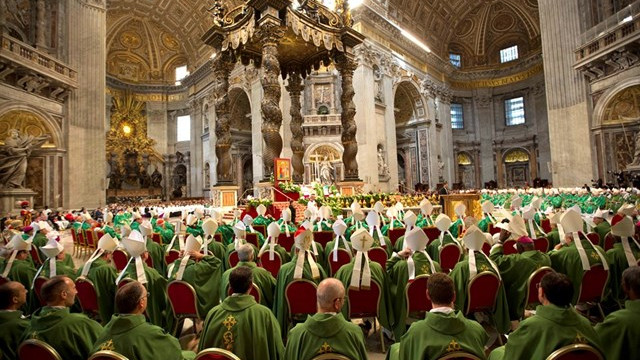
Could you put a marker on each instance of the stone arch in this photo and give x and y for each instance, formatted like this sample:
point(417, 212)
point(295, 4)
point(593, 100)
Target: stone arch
point(29, 117)
point(599, 111)
point(517, 166)
point(465, 173)
point(410, 108)
point(314, 154)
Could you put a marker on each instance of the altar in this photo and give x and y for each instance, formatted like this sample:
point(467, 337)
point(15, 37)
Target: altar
point(471, 201)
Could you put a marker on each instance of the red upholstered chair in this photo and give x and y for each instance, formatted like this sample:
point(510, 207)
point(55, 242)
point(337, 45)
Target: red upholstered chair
point(532, 285)
point(37, 286)
point(255, 292)
point(482, 293)
point(261, 229)
point(120, 259)
point(378, 255)
point(609, 240)
point(3, 280)
point(450, 254)
point(493, 229)
point(171, 256)
point(432, 233)
point(149, 261)
point(594, 238)
point(331, 356)
point(508, 247)
point(344, 257)
point(76, 242)
point(81, 241)
point(541, 244)
point(545, 224)
point(184, 302)
point(216, 354)
point(286, 241)
point(322, 237)
point(35, 255)
point(99, 234)
point(90, 239)
point(233, 259)
point(88, 297)
point(157, 238)
point(395, 234)
point(300, 296)
point(593, 286)
point(272, 266)
point(486, 248)
point(217, 237)
point(576, 352)
point(416, 300)
point(252, 238)
point(124, 281)
point(365, 303)
point(35, 349)
point(459, 355)
point(107, 355)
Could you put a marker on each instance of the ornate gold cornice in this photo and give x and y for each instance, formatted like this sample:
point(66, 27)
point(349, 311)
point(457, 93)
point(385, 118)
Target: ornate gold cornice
point(501, 81)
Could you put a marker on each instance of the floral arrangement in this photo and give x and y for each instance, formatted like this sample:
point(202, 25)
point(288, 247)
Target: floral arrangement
point(254, 202)
point(288, 186)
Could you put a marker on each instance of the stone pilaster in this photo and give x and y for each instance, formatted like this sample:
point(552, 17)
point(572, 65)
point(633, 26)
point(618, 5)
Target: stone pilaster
point(568, 109)
point(85, 129)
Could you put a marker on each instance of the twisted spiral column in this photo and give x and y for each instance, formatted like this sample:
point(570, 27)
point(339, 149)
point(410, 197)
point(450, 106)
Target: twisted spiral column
point(295, 87)
point(222, 67)
point(346, 66)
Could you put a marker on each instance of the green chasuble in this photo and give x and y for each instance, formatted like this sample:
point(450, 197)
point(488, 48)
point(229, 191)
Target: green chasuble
point(398, 271)
point(602, 230)
point(72, 335)
point(23, 272)
point(111, 231)
point(135, 225)
point(156, 253)
point(550, 329)
point(61, 269)
point(194, 230)
point(455, 226)
point(103, 276)
point(620, 332)
point(226, 232)
point(216, 248)
point(351, 229)
point(617, 264)
point(133, 337)
point(285, 276)
point(165, 234)
point(385, 313)
point(515, 270)
point(158, 307)
point(425, 221)
point(396, 225)
point(325, 333)
point(261, 277)
point(323, 225)
point(554, 238)
point(13, 326)
point(231, 248)
point(261, 220)
point(204, 276)
point(68, 261)
point(39, 240)
point(244, 327)
point(440, 333)
point(567, 261)
point(484, 223)
point(460, 277)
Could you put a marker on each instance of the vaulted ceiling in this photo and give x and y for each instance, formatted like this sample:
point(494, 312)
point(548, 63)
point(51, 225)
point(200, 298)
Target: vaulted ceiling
point(148, 38)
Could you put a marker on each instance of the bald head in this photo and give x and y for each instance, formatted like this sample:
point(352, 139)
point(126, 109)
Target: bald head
point(12, 295)
point(245, 252)
point(330, 295)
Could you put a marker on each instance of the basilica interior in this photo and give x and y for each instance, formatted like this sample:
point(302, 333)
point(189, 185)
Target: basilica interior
point(182, 98)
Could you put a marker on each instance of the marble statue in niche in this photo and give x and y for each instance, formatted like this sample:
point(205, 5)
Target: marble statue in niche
point(13, 157)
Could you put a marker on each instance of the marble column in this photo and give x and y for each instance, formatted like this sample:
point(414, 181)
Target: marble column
point(41, 24)
point(444, 113)
point(484, 116)
point(566, 89)
point(270, 35)
point(85, 129)
point(346, 66)
point(222, 66)
point(500, 168)
point(295, 87)
point(195, 147)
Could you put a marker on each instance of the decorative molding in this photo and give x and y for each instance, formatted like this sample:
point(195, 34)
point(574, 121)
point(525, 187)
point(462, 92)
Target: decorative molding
point(506, 80)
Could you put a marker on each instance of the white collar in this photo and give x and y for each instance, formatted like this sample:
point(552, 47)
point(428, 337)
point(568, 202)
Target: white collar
point(444, 310)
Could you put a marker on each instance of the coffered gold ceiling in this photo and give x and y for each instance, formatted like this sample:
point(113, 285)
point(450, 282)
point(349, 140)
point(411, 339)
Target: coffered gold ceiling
point(477, 29)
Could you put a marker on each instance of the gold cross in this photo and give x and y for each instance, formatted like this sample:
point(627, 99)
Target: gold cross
point(484, 267)
point(580, 339)
point(364, 240)
point(425, 269)
point(229, 322)
point(453, 346)
point(325, 348)
point(34, 335)
point(594, 255)
point(107, 345)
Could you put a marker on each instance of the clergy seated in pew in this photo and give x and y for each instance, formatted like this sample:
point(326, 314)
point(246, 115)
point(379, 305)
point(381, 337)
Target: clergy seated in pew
point(625, 253)
point(13, 295)
point(555, 324)
point(443, 330)
point(18, 267)
point(261, 277)
point(72, 335)
point(620, 332)
point(242, 326)
point(129, 334)
point(327, 331)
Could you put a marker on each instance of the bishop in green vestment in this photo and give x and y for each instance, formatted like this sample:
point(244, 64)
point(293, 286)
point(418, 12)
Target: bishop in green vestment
point(443, 330)
point(242, 326)
point(13, 296)
point(261, 277)
point(624, 254)
point(203, 273)
point(103, 276)
point(602, 227)
point(72, 335)
point(515, 270)
point(555, 324)
point(327, 331)
point(620, 331)
point(129, 333)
